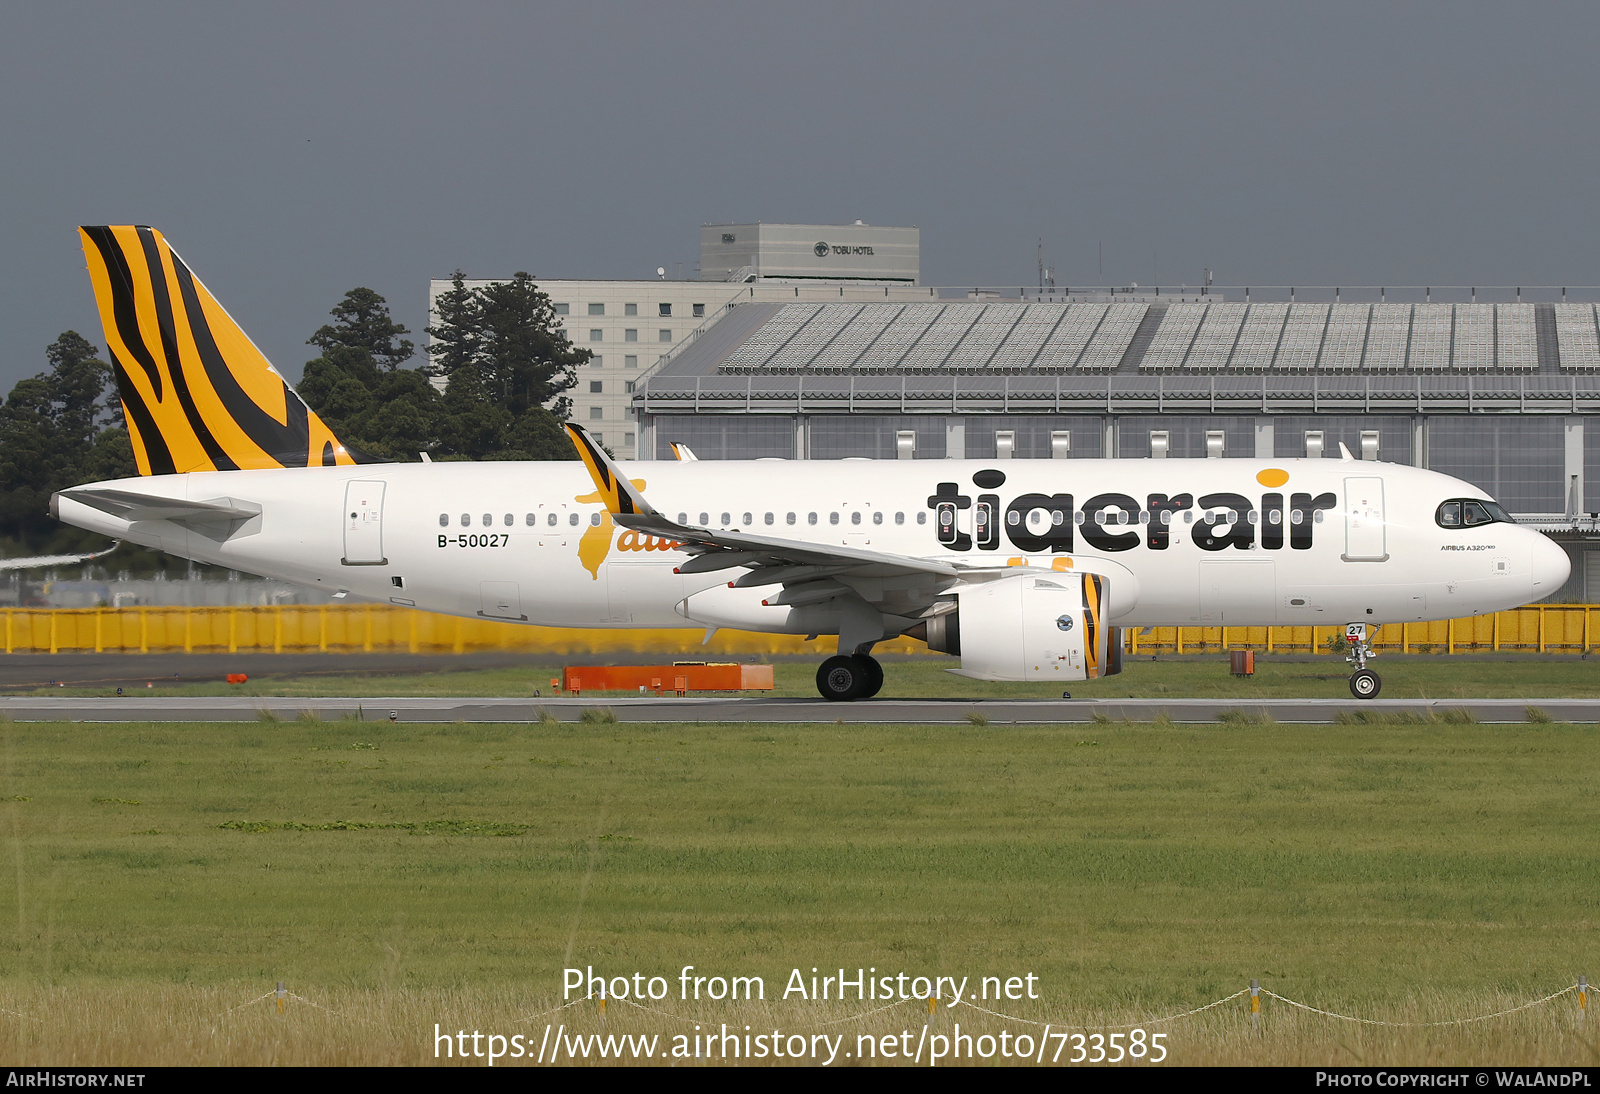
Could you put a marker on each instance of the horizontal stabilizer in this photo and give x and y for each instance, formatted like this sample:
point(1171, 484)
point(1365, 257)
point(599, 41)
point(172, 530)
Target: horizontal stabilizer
point(132, 506)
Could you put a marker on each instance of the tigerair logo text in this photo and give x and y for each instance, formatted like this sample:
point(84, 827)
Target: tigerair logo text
point(1113, 522)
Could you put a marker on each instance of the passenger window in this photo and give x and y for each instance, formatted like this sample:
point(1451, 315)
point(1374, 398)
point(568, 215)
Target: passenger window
point(511, 518)
point(1316, 518)
point(466, 520)
point(747, 520)
point(573, 520)
point(1166, 516)
point(444, 520)
point(705, 519)
point(922, 518)
point(833, 518)
point(899, 518)
point(855, 518)
point(1013, 518)
point(1077, 518)
point(727, 519)
point(1296, 517)
point(594, 520)
point(1275, 516)
point(768, 518)
point(1255, 518)
point(531, 520)
point(1188, 516)
point(790, 518)
point(488, 520)
point(811, 518)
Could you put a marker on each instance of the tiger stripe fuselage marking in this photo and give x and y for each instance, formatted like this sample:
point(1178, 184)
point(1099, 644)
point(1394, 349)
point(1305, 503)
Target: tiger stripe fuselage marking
point(197, 394)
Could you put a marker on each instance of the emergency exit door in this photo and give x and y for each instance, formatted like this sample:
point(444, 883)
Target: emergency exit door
point(363, 523)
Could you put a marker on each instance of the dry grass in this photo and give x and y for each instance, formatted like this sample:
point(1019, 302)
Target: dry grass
point(146, 1026)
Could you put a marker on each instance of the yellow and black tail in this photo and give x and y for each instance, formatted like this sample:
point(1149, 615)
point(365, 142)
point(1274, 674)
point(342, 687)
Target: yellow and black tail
point(197, 394)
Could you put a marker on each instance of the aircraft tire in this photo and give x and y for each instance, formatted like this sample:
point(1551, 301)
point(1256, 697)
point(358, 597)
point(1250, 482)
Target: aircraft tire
point(841, 679)
point(872, 676)
point(1365, 684)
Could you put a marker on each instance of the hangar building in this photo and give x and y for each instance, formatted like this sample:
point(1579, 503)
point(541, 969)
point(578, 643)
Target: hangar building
point(779, 358)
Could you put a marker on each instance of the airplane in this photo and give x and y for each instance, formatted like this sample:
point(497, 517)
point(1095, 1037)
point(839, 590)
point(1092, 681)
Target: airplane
point(36, 562)
point(1025, 570)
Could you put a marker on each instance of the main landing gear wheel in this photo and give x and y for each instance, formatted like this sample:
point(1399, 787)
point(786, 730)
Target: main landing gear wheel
point(841, 679)
point(873, 675)
point(1365, 684)
point(844, 678)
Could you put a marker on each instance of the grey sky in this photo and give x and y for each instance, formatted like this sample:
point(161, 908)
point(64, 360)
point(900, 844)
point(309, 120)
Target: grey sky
point(294, 150)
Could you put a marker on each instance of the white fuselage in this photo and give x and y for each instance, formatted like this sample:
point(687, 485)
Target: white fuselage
point(1328, 542)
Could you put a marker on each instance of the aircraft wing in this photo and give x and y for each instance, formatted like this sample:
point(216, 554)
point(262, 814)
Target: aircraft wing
point(810, 573)
point(36, 561)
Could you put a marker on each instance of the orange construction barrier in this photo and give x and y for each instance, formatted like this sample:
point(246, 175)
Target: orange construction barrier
point(686, 676)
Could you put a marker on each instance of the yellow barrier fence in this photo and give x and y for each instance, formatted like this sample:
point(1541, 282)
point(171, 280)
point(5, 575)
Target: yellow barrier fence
point(380, 628)
point(358, 628)
point(1542, 628)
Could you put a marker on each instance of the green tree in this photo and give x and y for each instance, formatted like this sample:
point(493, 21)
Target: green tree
point(506, 362)
point(358, 387)
point(58, 429)
point(362, 322)
point(454, 337)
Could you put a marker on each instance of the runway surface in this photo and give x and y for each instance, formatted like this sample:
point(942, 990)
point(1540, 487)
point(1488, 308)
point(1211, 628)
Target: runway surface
point(157, 708)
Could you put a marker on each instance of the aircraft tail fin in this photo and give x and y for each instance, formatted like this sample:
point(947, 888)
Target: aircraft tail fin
point(196, 392)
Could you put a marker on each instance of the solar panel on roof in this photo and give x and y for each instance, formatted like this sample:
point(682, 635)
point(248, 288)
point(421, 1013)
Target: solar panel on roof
point(1577, 336)
point(1516, 340)
point(1302, 337)
point(1345, 339)
point(1171, 343)
point(1110, 342)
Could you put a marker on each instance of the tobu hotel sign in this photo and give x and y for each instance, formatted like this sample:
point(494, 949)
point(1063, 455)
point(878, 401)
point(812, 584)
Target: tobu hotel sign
point(823, 250)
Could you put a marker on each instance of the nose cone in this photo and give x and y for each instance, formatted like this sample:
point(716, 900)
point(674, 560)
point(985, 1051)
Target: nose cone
point(1550, 567)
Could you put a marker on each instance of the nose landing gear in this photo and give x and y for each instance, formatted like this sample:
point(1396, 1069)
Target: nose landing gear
point(1364, 683)
point(847, 677)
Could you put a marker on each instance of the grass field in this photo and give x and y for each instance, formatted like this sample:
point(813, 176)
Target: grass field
point(407, 874)
point(1509, 676)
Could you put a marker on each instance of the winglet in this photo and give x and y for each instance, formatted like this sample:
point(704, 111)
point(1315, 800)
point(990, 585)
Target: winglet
point(620, 496)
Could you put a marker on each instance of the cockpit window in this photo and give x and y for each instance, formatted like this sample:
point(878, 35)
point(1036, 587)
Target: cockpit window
point(1470, 513)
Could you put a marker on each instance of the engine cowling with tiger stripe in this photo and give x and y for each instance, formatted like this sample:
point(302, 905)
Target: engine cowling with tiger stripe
point(1030, 627)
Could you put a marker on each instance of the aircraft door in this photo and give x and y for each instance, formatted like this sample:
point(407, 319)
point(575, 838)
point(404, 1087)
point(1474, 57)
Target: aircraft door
point(501, 600)
point(1238, 593)
point(363, 523)
point(1364, 529)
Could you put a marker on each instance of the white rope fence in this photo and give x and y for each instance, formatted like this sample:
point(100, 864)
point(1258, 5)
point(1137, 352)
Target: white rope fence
point(1425, 1025)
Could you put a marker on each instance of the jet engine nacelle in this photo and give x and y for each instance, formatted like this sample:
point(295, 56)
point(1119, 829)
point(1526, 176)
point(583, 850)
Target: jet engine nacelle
point(1031, 627)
